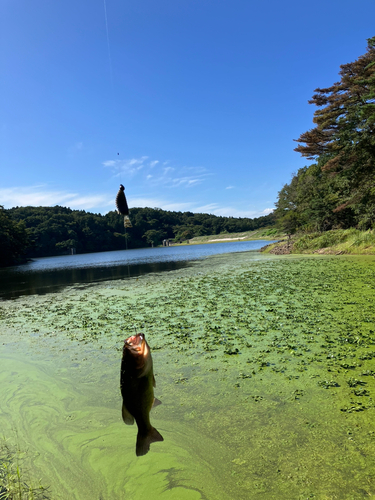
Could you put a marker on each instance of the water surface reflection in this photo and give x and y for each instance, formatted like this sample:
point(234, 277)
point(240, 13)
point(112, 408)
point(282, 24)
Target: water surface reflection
point(52, 281)
point(51, 274)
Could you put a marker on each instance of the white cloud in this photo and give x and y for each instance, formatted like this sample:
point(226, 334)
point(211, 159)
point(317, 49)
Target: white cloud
point(185, 181)
point(163, 173)
point(137, 161)
point(87, 202)
point(34, 196)
point(233, 212)
point(41, 195)
point(159, 203)
point(229, 187)
point(168, 181)
point(128, 167)
point(167, 169)
point(207, 208)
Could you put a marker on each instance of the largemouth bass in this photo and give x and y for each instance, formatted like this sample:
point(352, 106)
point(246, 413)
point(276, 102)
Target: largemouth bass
point(137, 383)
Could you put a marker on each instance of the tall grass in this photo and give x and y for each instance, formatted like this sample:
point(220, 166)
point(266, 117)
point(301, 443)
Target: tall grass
point(14, 483)
point(350, 241)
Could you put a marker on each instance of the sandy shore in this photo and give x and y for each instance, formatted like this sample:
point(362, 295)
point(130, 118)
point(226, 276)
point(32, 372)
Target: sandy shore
point(227, 239)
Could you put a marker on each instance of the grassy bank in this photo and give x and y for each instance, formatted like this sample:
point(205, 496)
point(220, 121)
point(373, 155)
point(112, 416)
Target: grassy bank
point(269, 233)
point(339, 241)
point(264, 366)
point(15, 482)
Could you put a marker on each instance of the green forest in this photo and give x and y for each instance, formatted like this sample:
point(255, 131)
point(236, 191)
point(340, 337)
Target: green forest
point(44, 231)
point(337, 191)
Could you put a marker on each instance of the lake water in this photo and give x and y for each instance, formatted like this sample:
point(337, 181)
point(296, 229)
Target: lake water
point(264, 365)
point(50, 274)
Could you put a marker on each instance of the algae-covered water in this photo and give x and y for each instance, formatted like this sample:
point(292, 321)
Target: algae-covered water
point(265, 368)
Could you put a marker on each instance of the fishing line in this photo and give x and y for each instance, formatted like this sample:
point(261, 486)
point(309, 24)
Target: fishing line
point(118, 154)
point(127, 223)
point(108, 45)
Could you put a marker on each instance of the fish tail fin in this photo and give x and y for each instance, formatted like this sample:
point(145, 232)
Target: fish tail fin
point(127, 222)
point(144, 441)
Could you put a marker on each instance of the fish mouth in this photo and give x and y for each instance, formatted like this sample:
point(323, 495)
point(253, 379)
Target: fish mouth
point(136, 343)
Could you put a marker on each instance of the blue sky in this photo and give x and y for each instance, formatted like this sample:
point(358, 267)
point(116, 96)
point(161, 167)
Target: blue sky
point(193, 104)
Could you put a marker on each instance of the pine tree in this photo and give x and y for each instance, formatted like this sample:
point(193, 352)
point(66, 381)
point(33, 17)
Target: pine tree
point(343, 140)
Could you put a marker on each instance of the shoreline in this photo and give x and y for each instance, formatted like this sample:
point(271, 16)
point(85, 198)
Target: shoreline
point(227, 239)
point(258, 234)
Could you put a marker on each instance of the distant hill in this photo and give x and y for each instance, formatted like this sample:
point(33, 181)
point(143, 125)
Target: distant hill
point(55, 230)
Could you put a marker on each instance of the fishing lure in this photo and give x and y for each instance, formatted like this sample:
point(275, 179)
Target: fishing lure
point(122, 206)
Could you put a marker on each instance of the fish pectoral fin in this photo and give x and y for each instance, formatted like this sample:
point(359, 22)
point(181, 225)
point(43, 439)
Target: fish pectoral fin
point(156, 402)
point(127, 417)
point(144, 441)
point(153, 381)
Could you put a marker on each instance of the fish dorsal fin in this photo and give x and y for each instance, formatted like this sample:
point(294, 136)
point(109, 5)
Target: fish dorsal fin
point(156, 402)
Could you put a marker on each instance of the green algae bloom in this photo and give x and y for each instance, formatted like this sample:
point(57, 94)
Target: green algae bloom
point(264, 364)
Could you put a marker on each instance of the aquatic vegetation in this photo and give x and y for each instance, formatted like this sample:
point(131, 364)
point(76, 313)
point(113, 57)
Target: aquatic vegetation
point(14, 479)
point(262, 367)
point(326, 384)
point(353, 382)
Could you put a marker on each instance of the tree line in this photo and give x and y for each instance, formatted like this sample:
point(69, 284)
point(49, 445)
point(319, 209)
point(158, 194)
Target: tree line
point(27, 232)
point(338, 190)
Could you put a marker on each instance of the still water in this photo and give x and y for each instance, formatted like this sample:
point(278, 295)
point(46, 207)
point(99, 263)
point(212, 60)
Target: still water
point(50, 274)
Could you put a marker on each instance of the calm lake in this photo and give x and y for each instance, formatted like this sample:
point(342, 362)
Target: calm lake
point(50, 274)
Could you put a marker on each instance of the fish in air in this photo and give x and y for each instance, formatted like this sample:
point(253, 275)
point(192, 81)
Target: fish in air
point(122, 206)
point(137, 384)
